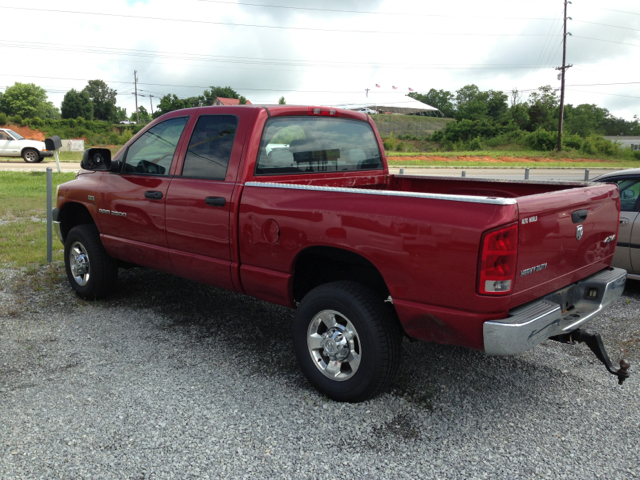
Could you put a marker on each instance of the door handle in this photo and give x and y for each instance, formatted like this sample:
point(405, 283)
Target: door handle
point(215, 201)
point(624, 221)
point(153, 195)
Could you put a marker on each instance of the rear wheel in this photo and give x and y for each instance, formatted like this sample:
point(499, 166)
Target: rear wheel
point(91, 271)
point(31, 156)
point(347, 341)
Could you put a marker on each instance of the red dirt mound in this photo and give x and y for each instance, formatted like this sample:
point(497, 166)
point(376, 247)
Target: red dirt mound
point(26, 132)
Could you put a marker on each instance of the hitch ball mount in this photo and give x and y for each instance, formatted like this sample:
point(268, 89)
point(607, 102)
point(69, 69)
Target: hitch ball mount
point(594, 342)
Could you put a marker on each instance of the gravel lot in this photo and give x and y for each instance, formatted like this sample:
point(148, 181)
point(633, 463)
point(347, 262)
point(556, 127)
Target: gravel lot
point(172, 379)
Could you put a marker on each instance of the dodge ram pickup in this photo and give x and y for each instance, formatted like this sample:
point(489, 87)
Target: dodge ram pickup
point(296, 206)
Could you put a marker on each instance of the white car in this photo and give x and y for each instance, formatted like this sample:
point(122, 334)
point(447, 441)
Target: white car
point(368, 111)
point(15, 145)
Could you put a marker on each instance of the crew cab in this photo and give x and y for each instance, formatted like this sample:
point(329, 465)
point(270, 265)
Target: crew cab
point(13, 144)
point(295, 205)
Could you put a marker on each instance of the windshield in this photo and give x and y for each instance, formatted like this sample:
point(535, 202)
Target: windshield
point(15, 135)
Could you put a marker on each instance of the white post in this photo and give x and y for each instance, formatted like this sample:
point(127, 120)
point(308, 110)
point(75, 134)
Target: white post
point(55, 154)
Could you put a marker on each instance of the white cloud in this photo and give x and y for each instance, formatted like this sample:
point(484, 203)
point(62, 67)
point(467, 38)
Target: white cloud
point(436, 45)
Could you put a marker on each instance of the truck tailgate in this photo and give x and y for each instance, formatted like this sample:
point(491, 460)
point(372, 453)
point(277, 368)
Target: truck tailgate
point(564, 236)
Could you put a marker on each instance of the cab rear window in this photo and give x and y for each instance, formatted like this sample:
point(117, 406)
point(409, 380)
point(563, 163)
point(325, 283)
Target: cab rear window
point(292, 145)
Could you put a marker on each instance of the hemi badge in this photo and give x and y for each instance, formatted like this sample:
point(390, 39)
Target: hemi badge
point(610, 238)
point(91, 197)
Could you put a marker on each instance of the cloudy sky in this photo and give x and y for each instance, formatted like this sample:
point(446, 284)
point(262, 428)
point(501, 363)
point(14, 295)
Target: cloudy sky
point(323, 51)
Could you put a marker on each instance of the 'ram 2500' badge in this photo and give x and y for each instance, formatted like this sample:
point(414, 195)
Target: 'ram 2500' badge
point(578, 232)
point(112, 212)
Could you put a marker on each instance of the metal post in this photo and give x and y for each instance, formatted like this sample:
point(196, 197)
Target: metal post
point(464, 174)
point(526, 174)
point(586, 174)
point(135, 81)
point(402, 171)
point(49, 216)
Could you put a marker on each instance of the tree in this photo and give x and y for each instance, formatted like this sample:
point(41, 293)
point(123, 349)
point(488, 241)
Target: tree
point(27, 100)
point(282, 101)
point(242, 100)
point(104, 100)
point(543, 109)
point(171, 102)
point(209, 96)
point(471, 103)
point(142, 112)
point(121, 114)
point(440, 99)
point(77, 104)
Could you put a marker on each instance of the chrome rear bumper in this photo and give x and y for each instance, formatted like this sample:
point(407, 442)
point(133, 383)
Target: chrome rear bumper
point(557, 313)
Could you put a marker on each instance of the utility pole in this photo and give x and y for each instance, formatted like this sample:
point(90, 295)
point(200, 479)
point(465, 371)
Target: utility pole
point(135, 81)
point(367, 90)
point(563, 69)
point(151, 102)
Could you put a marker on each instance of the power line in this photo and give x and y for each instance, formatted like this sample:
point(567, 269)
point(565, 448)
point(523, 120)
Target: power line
point(253, 60)
point(602, 93)
point(606, 25)
point(278, 27)
point(608, 41)
point(368, 12)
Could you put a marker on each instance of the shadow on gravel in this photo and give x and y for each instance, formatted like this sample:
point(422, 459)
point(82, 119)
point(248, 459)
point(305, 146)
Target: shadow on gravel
point(258, 335)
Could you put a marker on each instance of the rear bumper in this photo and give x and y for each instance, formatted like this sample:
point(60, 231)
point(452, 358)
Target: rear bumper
point(559, 312)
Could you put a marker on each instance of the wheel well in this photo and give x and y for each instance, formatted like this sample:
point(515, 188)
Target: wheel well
point(318, 265)
point(72, 215)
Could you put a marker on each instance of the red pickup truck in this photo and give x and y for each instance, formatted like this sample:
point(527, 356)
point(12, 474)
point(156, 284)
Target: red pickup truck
point(295, 205)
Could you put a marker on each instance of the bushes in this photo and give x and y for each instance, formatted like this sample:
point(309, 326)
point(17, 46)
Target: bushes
point(3, 118)
point(636, 155)
point(542, 140)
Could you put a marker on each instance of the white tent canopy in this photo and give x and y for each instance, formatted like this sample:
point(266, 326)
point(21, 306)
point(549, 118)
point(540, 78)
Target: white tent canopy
point(393, 102)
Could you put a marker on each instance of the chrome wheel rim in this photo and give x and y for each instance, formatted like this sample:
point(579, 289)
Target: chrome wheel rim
point(31, 156)
point(334, 345)
point(79, 263)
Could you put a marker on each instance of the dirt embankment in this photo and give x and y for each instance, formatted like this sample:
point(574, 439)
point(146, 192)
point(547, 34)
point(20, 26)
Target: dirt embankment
point(26, 132)
point(491, 160)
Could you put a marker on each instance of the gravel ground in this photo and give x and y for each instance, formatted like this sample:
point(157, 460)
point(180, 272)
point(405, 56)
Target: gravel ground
point(172, 379)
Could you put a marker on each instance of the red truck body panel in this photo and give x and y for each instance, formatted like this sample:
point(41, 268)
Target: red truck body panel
point(422, 234)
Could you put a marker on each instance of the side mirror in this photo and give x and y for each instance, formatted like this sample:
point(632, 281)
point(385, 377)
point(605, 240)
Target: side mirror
point(98, 159)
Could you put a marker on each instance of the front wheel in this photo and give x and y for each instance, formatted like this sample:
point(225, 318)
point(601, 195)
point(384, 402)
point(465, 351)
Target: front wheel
point(30, 155)
point(91, 271)
point(347, 341)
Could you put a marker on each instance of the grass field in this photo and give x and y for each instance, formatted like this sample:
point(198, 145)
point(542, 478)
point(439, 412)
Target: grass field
point(502, 159)
point(23, 215)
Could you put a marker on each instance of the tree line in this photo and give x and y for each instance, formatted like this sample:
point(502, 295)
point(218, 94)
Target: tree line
point(492, 112)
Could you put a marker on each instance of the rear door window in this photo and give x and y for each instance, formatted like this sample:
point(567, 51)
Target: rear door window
point(153, 152)
point(210, 147)
point(292, 145)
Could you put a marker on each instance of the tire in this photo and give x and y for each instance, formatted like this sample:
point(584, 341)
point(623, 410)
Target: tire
point(347, 341)
point(30, 155)
point(90, 270)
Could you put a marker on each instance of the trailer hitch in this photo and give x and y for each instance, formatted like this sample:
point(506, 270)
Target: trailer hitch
point(594, 342)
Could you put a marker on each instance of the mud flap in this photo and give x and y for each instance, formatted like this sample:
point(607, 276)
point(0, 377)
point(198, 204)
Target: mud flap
point(594, 342)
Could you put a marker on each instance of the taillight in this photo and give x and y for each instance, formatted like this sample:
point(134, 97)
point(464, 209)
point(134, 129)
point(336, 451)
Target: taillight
point(498, 261)
point(328, 112)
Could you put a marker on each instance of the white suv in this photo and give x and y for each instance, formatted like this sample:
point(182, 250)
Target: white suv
point(14, 145)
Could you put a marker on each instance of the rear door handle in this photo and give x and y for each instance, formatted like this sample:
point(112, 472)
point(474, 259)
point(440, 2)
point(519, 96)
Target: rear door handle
point(215, 201)
point(624, 221)
point(153, 195)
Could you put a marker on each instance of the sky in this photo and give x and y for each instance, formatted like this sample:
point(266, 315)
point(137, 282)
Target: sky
point(323, 52)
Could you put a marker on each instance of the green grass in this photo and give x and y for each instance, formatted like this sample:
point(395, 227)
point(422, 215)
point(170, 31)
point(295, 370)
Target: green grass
point(64, 157)
point(561, 160)
point(23, 214)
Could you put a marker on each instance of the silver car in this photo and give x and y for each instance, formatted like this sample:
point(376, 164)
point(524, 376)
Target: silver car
point(627, 254)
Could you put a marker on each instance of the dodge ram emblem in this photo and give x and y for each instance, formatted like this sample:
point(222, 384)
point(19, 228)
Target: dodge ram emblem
point(578, 232)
